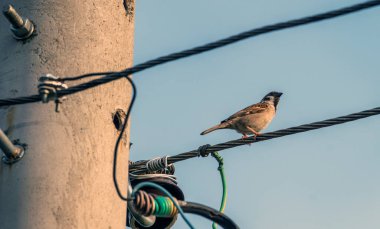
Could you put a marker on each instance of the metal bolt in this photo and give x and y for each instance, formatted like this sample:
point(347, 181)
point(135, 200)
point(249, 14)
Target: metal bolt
point(45, 96)
point(21, 29)
point(13, 17)
point(12, 153)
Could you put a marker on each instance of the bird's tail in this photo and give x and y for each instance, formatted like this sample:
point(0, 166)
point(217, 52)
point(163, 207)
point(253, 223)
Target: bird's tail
point(219, 126)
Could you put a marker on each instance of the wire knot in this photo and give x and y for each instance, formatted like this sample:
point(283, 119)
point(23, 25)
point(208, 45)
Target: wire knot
point(202, 150)
point(48, 87)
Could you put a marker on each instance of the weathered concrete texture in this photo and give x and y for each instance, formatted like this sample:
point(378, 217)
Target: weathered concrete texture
point(65, 178)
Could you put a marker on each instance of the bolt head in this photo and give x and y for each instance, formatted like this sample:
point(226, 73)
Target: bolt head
point(13, 160)
point(23, 32)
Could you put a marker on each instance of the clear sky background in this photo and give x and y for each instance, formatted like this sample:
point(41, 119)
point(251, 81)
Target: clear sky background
point(328, 178)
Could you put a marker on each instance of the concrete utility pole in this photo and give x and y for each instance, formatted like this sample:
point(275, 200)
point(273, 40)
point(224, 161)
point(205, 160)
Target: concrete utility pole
point(65, 178)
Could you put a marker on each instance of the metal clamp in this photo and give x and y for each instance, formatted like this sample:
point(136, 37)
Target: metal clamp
point(48, 87)
point(12, 153)
point(21, 28)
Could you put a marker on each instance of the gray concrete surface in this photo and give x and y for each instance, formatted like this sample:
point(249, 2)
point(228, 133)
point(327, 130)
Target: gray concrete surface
point(65, 178)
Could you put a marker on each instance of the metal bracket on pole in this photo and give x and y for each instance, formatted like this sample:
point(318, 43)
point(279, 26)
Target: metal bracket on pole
point(48, 87)
point(12, 153)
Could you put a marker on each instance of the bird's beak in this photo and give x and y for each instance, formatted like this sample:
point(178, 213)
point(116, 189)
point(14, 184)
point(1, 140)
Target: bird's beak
point(279, 94)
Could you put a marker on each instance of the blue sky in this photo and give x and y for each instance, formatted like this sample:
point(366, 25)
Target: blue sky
point(327, 178)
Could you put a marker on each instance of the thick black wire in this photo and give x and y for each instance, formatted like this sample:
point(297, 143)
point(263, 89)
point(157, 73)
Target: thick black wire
point(85, 76)
point(139, 167)
point(209, 213)
point(134, 93)
point(197, 50)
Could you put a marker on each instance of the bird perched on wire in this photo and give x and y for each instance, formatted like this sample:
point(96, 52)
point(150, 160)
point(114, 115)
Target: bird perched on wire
point(251, 120)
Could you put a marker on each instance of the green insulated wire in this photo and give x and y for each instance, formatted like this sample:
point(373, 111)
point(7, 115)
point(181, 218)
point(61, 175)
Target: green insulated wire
point(224, 183)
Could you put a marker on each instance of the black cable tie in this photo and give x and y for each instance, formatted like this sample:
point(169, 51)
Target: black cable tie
point(202, 150)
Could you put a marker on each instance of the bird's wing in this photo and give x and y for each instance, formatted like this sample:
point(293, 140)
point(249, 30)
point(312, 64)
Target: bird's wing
point(253, 109)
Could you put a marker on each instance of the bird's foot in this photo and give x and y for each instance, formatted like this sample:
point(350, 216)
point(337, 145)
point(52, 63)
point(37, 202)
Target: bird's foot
point(244, 136)
point(255, 135)
point(254, 132)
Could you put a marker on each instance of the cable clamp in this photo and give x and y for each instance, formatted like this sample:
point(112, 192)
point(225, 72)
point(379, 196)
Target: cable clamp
point(202, 150)
point(48, 87)
point(158, 163)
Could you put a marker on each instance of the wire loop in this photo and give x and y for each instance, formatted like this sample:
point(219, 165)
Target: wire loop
point(202, 150)
point(219, 159)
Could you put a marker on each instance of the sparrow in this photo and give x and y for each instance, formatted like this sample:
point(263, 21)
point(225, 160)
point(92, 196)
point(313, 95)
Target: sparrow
point(253, 119)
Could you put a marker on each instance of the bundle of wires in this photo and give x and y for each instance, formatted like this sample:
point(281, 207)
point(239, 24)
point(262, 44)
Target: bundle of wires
point(164, 206)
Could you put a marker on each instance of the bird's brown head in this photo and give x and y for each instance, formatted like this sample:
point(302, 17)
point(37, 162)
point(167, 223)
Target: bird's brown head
point(272, 97)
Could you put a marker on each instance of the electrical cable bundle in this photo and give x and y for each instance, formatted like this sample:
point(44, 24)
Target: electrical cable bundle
point(168, 206)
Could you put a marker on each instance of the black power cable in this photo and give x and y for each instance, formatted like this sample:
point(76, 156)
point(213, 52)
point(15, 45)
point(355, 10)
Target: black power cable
point(196, 50)
point(116, 150)
point(86, 76)
point(140, 166)
point(209, 213)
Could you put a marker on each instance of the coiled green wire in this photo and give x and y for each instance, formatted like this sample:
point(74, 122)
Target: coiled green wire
point(164, 207)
